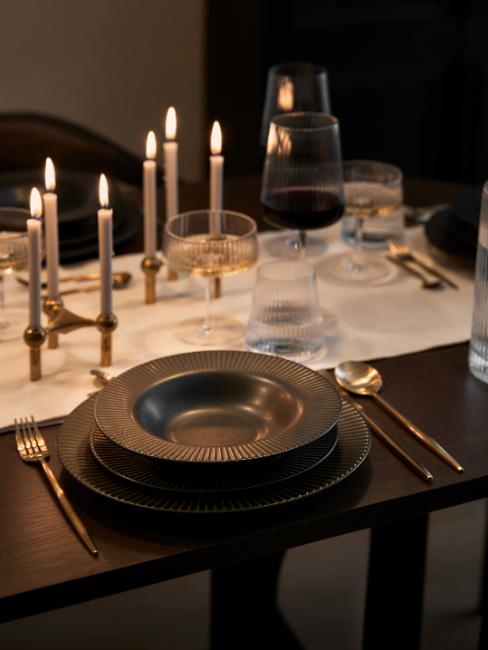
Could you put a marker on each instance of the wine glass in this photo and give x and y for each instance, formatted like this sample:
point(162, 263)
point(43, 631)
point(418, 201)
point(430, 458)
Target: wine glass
point(373, 214)
point(210, 244)
point(13, 257)
point(293, 87)
point(302, 184)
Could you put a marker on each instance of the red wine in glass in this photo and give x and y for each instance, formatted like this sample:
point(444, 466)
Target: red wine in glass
point(302, 208)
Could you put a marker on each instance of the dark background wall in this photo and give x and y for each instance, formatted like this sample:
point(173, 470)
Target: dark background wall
point(408, 80)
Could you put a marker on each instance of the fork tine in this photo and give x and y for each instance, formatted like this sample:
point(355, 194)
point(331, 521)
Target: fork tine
point(18, 439)
point(39, 437)
point(30, 442)
point(32, 437)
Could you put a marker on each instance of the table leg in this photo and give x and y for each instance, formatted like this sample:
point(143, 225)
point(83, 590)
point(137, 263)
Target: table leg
point(244, 606)
point(393, 616)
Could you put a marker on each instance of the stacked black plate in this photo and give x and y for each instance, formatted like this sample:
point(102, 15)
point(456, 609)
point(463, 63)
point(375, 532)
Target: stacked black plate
point(77, 206)
point(455, 229)
point(214, 431)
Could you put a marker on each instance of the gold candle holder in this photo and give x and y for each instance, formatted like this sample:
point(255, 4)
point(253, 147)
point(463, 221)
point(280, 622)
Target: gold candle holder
point(172, 275)
point(64, 322)
point(51, 307)
point(216, 288)
point(150, 267)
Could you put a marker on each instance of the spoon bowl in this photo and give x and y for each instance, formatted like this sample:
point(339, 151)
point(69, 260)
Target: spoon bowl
point(358, 377)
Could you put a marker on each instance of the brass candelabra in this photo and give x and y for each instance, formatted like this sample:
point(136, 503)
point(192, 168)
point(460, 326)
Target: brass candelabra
point(63, 321)
point(150, 267)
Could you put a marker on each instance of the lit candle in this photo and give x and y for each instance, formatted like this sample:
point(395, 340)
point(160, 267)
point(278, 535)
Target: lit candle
point(216, 177)
point(170, 150)
point(50, 200)
point(105, 246)
point(149, 183)
point(34, 234)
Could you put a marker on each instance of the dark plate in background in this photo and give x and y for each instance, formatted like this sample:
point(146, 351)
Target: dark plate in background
point(77, 209)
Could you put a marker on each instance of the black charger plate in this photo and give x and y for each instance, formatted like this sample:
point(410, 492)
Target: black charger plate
point(354, 441)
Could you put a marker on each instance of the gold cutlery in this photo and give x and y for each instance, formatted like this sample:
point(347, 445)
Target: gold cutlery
point(101, 379)
point(117, 283)
point(428, 282)
point(42, 424)
point(121, 277)
point(402, 252)
point(416, 466)
point(362, 379)
point(32, 448)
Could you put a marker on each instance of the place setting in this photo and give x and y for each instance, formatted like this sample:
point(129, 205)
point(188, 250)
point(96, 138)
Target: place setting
point(224, 405)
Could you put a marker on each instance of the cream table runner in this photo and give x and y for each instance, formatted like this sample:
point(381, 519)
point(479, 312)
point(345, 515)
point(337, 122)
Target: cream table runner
point(384, 320)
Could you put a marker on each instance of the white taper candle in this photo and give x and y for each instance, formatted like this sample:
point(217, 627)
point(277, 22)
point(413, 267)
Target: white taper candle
point(105, 247)
point(149, 196)
point(50, 201)
point(34, 234)
point(216, 177)
point(170, 151)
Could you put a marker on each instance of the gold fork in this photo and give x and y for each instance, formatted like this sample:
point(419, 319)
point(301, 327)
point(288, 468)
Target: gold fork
point(32, 448)
point(403, 252)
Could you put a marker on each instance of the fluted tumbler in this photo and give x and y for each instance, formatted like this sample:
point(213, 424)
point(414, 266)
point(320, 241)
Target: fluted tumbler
point(478, 349)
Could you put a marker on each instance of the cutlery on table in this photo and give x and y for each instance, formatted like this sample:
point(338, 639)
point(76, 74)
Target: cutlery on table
point(362, 379)
point(402, 252)
point(102, 378)
point(32, 448)
point(117, 283)
point(428, 281)
point(123, 277)
point(400, 451)
point(415, 216)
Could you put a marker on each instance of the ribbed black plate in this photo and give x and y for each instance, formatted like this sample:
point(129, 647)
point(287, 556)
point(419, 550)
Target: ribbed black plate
point(273, 405)
point(75, 454)
point(160, 475)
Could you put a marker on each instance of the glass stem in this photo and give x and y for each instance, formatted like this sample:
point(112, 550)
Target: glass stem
point(3, 320)
point(207, 320)
point(358, 244)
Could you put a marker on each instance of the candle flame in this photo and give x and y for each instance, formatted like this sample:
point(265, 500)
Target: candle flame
point(216, 139)
point(35, 203)
point(103, 191)
point(151, 147)
point(49, 175)
point(286, 94)
point(171, 123)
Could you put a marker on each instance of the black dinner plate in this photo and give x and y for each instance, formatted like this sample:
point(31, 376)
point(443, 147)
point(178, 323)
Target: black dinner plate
point(217, 406)
point(354, 441)
point(161, 475)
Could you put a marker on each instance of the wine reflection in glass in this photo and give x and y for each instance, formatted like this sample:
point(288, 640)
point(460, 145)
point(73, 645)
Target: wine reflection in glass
point(210, 244)
point(13, 257)
point(302, 185)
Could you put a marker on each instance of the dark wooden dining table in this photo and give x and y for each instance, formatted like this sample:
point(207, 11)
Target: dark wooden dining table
point(43, 566)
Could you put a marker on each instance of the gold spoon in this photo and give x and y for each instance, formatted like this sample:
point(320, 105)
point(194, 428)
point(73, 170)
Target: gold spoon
point(362, 379)
point(123, 277)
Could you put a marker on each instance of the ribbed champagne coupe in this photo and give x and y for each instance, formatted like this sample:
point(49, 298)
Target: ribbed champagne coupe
point(13, 257)
point(210, 244)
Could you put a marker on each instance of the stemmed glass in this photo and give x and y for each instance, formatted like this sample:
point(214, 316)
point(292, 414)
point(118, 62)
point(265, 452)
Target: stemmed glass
point(293, 87)
point(373, 213)
point(302, 184)
point(13, 257)
point(210, 244)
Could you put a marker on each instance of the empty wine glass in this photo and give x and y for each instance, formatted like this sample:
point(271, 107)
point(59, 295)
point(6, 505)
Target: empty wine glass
point(13, 257)
point(291, 88)
point(210, 244)
point(302, 184)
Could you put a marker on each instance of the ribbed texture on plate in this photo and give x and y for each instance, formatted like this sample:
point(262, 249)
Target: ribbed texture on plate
point(157, 475)
point(74, 450)
point(114, 416)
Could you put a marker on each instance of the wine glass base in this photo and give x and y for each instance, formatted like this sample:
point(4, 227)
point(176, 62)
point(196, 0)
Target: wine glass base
point(365, 269)
point(223, 331)
point(285, 246)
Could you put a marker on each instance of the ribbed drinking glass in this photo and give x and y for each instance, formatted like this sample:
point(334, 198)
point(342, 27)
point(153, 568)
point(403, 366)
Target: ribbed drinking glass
point(478, 349)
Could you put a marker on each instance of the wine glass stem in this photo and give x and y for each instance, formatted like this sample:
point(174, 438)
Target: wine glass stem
point(3, 320)
point(207, 320)
point(358, 239)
